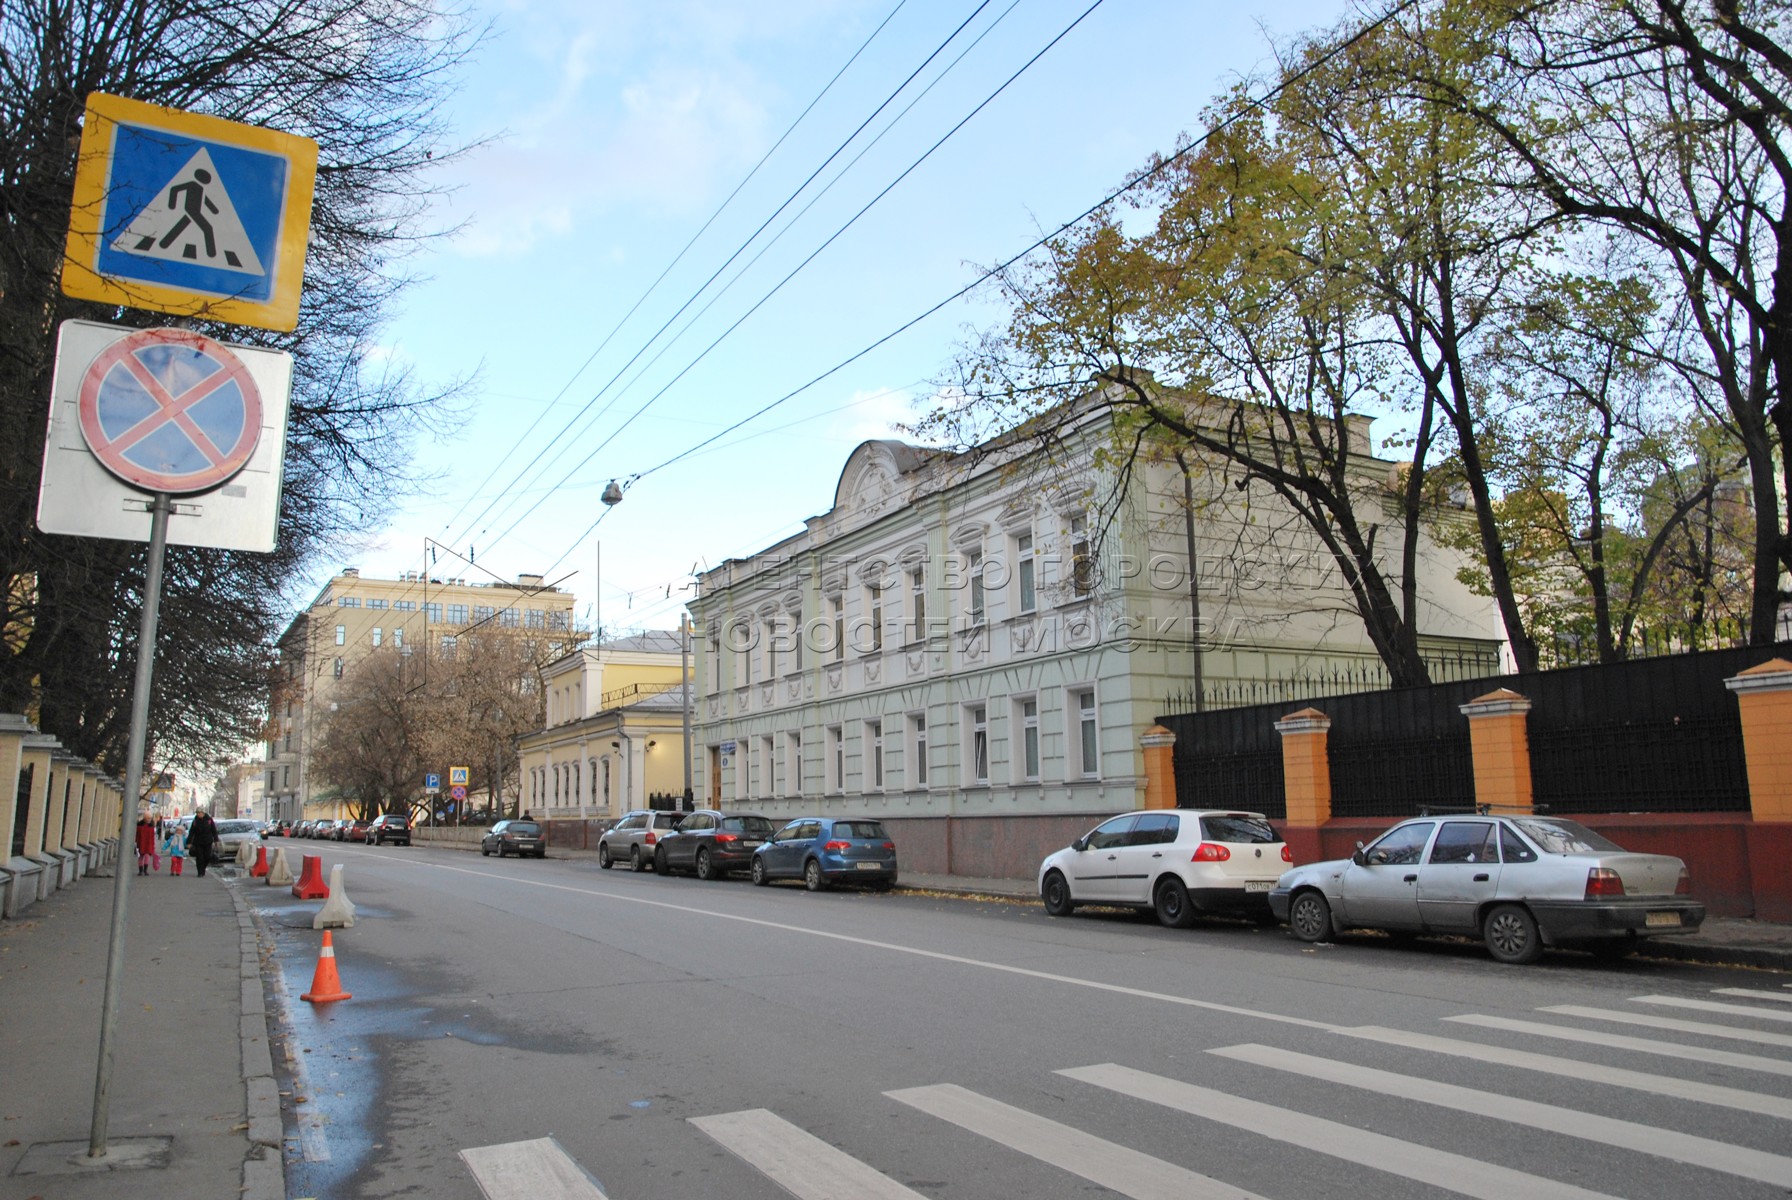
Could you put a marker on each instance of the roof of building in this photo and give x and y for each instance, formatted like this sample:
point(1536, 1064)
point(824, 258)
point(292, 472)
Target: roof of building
point(660, 641)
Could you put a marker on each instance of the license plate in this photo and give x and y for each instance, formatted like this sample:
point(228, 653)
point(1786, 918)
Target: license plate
point(1258, 885)
point(751, 845)
point(1661, 918)
point(868, 866)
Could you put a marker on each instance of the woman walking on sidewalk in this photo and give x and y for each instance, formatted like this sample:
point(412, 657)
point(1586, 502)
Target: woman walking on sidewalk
point(200, 840)
point(146, 844)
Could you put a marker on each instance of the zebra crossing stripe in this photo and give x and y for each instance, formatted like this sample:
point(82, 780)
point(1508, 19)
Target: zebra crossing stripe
point(1701, 1028)
point(1618, 1041)
point(1714, 1006)
point(798, 1161)
point(1101, 1162)
point(1409, 1160)
point(532, 1170)
point(1591, 1127)
point(1755, 994)
point(1641, 1081)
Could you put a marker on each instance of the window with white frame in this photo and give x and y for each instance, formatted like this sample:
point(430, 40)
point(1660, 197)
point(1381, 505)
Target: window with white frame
point(837, 613)
point(1085, 755)
point(874, 756)
point(793, 764)
point(874, 614)
point(342, 635)
point(742, 633)
point(973, 563)
point(714, 682)
point(976, 744)
point(398, 637)
point(376, 635)
point(917, 603)
point(917, 740)
point(1026, 739)
point(1082, 568)
point(337, 669)
point(768, 785)
point(771, 647)
point(796, 641)
point(836, 761)
point(1025, 594)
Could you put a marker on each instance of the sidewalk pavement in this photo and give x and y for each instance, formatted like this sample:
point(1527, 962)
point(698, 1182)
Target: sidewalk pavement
point(192, 1064)
point(190, 1060)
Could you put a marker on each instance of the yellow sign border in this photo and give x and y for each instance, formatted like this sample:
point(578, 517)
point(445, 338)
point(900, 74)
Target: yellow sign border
point(93, 170)
point(457, 776)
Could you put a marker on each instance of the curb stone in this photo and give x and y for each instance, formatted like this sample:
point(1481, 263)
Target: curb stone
point(264, 1173)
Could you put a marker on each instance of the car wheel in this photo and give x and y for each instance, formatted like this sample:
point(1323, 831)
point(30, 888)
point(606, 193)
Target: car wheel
point(485, 851)
point(1310, 917)
point(1174, 909)
point(500, 849)
point(634, 859)
point(660, 865)
point(706, 867)
point(1511, 935)
point(760, 878)
point(1055, 892)
point(812, 876)
point(603, 855)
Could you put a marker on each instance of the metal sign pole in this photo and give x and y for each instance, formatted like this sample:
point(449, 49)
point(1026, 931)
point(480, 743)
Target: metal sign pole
point(133, 783)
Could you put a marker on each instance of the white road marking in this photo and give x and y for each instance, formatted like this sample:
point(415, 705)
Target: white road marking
point(532, 1170)
point(1641, 1081)
point(1737, 1010)
point(1101, 1162)
point(1701, 1028)
point(1618, 1041)
point(1756, 993)
point(798, 1161)
point(1628, 1135)
point(894, 947)
point(1409, 1160)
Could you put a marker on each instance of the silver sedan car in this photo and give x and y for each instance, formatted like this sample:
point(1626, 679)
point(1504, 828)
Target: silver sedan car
point(1517, 883)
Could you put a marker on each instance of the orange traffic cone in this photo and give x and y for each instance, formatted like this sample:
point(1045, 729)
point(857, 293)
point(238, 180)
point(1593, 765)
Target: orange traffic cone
point(326, 985)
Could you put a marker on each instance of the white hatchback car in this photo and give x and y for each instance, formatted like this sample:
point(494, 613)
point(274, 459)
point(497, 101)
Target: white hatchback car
point(1179, 862)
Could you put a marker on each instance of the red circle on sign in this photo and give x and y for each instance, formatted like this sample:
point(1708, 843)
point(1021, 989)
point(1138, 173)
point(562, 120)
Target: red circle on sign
point(168, 410)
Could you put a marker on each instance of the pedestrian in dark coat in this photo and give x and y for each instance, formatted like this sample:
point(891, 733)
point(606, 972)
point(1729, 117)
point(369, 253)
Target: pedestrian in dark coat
point(200, 840)
point(146, 845)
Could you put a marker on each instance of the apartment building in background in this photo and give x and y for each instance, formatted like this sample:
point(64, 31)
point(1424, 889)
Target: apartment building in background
point(352, 616)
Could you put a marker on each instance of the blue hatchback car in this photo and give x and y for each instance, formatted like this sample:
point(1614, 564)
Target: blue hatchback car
point(822, 851)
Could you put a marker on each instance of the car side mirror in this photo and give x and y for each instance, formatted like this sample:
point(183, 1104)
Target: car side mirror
point(1359, 858)
point(1080, 845)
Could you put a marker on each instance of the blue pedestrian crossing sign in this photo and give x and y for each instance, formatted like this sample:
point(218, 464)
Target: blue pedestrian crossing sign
point(184, 213)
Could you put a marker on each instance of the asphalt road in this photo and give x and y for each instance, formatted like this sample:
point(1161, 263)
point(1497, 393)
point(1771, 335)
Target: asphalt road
point(665, 1032)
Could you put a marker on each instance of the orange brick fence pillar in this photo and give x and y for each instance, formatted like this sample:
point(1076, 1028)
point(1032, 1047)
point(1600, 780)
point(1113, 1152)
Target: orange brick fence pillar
point(1764, 694)
point(1502, 752)
point(1306, 781)
point(1160, 767)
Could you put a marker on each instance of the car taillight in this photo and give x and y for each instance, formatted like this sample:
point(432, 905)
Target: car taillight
point(1287, 854)
point(889, 845)
point(1684, 886)
point(727, 837)
point(1211, 852)
point(1603, 881)
point(837, 846)
point(651, 837)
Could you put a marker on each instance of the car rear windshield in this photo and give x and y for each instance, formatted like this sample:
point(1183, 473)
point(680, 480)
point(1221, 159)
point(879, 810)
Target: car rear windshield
point(752, 826)
point(235, 827)
point(525, 828)
point(1237, 827)
point(666, 820)
point(1564, 837)
point(859, 829)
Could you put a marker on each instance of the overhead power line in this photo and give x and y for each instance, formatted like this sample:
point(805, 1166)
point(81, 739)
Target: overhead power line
point(518, 478)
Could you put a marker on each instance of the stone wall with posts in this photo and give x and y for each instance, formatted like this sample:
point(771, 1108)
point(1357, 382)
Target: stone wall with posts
point(59, 819)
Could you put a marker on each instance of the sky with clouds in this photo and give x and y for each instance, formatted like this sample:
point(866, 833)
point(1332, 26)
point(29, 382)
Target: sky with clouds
point(608, 133)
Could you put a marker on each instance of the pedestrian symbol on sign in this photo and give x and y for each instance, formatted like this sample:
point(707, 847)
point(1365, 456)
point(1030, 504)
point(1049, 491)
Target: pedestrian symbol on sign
point(191, 215)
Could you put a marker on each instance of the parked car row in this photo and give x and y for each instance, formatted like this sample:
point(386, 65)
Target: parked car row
point(391, 827)
point(820, 851)
point(1518, 883)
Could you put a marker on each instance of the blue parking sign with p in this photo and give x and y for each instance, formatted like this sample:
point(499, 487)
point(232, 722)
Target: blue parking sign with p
point(432, 782)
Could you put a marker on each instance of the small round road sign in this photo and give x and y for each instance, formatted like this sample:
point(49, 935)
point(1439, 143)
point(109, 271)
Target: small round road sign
point(167, 410)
